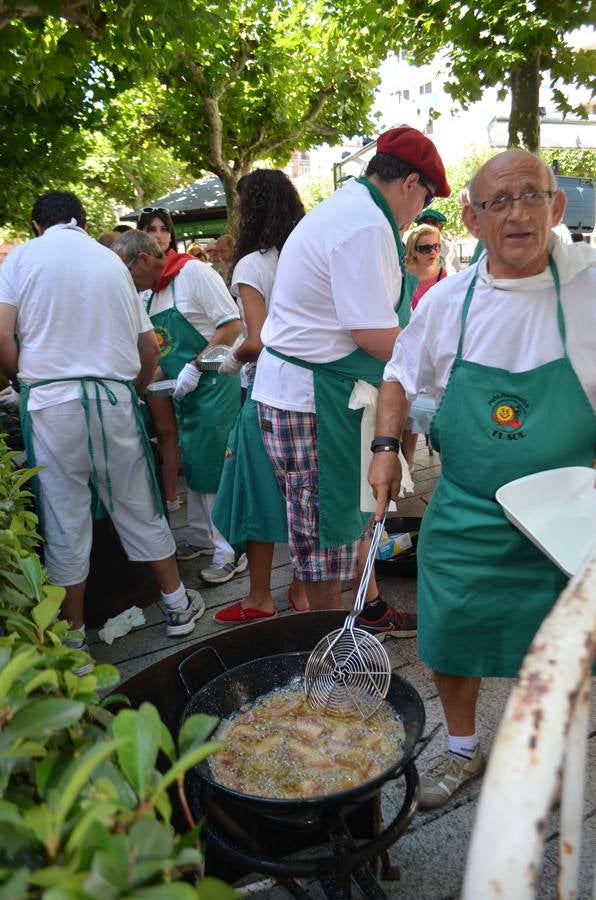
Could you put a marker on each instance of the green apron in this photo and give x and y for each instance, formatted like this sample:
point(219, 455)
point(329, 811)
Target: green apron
point(205, 416)
point(249, 505)
point(98, 509)
point(483, 587)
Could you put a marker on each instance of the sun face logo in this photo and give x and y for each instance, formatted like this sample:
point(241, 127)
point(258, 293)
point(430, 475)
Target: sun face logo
point(508, 414)
point(164, 339)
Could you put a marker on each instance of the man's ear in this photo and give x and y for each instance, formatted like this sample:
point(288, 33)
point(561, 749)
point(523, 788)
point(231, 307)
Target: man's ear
point(37, 229)
point(559, 207)
point(470, 220)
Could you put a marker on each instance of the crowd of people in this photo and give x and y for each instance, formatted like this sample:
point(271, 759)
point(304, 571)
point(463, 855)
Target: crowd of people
point(496, 361)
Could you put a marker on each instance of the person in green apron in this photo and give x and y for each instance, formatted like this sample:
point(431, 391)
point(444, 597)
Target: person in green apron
point(332, 322)
point(510, 347)
point(84, 347)
point(250, 508)
point(191, 311)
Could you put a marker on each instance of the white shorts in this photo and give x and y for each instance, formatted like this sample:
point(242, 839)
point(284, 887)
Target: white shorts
point(60, 445)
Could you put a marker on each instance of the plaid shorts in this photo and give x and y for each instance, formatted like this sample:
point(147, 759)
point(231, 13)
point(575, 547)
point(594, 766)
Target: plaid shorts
point(291, 442)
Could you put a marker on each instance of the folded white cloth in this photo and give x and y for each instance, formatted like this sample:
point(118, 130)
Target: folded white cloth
point(365, 396)
point(120, 625)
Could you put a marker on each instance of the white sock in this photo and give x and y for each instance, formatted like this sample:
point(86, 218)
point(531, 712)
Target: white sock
point(177, 599)
point(463, 745)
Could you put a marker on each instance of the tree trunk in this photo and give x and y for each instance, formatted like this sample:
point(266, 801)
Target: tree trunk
point(230, 176)
point(524, 120)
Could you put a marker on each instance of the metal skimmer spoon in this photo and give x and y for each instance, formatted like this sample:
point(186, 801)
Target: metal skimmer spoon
point(349, 671)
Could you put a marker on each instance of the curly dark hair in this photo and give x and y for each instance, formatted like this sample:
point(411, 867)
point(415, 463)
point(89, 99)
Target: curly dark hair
point(158, 212)
point(270, 207)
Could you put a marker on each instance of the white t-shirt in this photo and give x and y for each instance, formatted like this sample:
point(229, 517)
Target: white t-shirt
point(78, 313)
point(201, 297)
point(338, 272)
point(511, 324)
point(258, 271)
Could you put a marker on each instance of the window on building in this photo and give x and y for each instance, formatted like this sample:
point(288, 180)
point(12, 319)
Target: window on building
point(406, 95)
point(421, 88)
point(428, 87)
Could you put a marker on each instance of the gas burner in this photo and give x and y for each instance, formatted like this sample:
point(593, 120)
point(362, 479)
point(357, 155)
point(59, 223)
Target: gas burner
point(337, 851)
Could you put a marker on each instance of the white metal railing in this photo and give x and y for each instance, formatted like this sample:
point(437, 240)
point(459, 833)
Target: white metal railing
point(540, 749)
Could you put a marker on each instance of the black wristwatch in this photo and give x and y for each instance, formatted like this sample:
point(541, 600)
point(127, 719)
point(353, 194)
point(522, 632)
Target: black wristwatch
point(383, 443)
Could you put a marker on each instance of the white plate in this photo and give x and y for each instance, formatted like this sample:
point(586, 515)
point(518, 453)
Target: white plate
point(163, 388)
point(556, 510)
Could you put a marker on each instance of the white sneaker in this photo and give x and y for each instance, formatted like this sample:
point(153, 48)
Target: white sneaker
point(446, 777)
point(221, 574)
point(183, 621)
point(82, 645)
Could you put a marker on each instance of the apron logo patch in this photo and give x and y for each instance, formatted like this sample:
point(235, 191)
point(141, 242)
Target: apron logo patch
point(164, 339)
point(508, 414)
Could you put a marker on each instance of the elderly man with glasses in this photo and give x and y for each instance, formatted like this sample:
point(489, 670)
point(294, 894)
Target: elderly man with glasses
point(509, 348)
point(335, 311)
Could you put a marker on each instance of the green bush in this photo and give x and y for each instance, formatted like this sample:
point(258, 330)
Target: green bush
point(85, 811)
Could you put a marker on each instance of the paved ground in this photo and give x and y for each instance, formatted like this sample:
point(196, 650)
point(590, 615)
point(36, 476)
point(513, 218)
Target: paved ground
point(432, 854)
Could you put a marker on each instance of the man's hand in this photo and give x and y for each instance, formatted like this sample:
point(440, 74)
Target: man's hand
point(231, 365)
point(384, 477)
point(187, 381)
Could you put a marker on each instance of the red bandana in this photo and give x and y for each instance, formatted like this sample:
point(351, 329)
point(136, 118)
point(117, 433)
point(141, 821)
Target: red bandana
point(174, 262)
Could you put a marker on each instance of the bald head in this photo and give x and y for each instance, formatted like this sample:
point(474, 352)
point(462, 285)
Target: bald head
point(503, 162)
point(514, 204)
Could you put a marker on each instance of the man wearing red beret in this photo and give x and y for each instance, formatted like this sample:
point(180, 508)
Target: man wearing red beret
point(334, 316)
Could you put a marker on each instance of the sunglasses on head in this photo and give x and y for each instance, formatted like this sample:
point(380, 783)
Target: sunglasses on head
point(427, 248)
point(146, 210)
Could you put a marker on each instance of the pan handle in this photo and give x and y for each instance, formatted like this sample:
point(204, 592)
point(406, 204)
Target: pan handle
point(182, 667)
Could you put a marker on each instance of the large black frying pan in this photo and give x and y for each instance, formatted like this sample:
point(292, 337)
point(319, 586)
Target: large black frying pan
point(228, 692)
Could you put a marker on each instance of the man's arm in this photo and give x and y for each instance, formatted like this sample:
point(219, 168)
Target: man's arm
point(225, 334)
point(377, 342)
point(149, 355)
point(384, 475)
point(9, 352)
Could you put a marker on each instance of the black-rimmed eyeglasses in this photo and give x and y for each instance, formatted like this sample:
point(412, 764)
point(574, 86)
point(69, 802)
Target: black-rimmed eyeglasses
point(529, 199)
point(430, 194)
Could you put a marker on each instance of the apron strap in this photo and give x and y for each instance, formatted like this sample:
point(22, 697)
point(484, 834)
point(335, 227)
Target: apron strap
point(150, 300)
point(560, 317)
point(381, 202)
point(100, 383)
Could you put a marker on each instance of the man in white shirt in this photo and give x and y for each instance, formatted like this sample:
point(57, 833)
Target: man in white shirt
point(332, 321)
point(192, 311)
point(508, 346)
point(85, 348)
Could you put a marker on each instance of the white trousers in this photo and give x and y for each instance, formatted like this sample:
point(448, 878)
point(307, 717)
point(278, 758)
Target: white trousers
point(202, 531)
point(60, 445)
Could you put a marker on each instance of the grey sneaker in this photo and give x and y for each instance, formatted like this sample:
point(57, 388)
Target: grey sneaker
point(446, 777)
point(80, 644)
point(182, 621)
point(220, 574)
point(184, 550)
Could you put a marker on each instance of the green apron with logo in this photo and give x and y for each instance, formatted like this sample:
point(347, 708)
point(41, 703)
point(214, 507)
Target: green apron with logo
point(483, 587)
point(205, 416)
point(249, 505)
point(98, 509)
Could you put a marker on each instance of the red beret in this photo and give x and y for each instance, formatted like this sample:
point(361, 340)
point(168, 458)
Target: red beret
point(414, 148)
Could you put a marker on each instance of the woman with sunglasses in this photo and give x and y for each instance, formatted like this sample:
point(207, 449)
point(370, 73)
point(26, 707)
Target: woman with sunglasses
point(157, 223)
point(423, 259)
